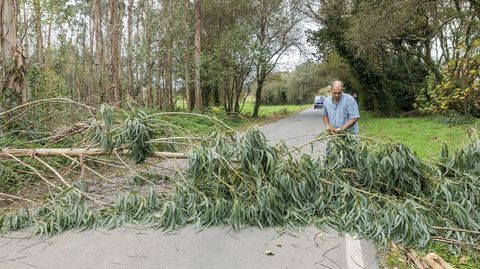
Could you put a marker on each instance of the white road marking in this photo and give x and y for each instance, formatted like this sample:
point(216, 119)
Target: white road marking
point(353, 250)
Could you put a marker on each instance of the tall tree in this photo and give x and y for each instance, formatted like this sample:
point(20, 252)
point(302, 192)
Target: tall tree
point(115, 46)
point(130, 85)
point(38, 30)
point(99, 47)
point(198, 34)
point(148, 32)
point(168, 63)
point(12, 58)
point(276, 23)
point(187, 56)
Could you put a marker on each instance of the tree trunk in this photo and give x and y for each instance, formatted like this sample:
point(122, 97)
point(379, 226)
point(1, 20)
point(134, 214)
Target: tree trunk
point(168, 77)
point(38, 31)
point(91, 68)
point(25, 22)
point(130, 48)
point(198, 33)
point(78, 152)
point(114, 52)
point(99, 49)
point(258, 94)
point(11, 53)
point(8, 29)
point(188, 89)
point(49, 36)
point(187, 57)
point(168, 56)
point(238, 91)
point(149, 64)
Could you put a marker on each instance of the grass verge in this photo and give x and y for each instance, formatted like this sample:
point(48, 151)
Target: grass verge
point(424, 135)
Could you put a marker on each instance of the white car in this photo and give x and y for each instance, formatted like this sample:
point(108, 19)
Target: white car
point(318, 102)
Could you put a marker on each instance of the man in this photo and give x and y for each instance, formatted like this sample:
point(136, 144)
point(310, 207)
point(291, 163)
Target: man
point(340, 111)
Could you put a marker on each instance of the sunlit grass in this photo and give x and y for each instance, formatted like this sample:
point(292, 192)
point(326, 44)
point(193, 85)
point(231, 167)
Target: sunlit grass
point(424, 135)
point(272, 110)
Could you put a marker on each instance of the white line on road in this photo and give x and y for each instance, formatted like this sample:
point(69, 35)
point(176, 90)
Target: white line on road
point(353, 250)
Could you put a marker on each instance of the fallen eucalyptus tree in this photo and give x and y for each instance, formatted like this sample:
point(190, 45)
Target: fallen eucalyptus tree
point(379, 191)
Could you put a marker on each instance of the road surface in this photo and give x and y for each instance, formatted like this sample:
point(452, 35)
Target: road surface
point(218, 247)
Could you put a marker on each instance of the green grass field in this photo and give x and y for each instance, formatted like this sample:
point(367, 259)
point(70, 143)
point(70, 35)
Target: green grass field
point(424, 135)
point(203, 126)
point(273, 110)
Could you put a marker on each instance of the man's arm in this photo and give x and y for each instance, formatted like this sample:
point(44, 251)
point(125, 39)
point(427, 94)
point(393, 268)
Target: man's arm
point(353, 114)
point(326, 121)
point(349, 123)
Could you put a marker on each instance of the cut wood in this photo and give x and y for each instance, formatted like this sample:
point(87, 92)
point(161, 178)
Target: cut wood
point(436, 262)
point(42, 152)
point(415, 260)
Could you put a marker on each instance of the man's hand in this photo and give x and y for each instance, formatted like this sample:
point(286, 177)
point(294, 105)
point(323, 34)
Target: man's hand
point(331, 130)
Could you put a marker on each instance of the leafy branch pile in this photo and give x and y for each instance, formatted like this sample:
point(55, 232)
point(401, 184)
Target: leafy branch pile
point(378, 191)
point(114, 131)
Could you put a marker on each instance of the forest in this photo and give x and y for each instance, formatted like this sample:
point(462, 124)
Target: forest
point(216, 53)
point(117, 112)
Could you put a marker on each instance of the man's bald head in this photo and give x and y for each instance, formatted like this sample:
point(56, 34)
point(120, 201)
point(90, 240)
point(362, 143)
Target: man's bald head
point(337, 84)
point(336, 90)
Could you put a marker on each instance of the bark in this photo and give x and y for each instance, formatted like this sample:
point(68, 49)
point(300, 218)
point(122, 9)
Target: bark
point(436, 262)
point(8, 29)
point(91, 69)
point(187, 57)
point(149, 64)
point(130, 48)
point(38, 31)
point(11, 55)
point(240, 80)
point(168, 77)
point(168, 57)
point(258, 95)
point(114, 87)
point(198, 33)
point(99, 52)
point(25, 22)
point(161, 86)
point(84, 57)
point(49, 35)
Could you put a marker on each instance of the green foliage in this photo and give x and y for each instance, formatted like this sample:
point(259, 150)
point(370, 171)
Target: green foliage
point(303, 84)
point(45, 83)
point(12, 178)
point(459, 90)
point(387, 47)
point(134, 134)
point(382, 192)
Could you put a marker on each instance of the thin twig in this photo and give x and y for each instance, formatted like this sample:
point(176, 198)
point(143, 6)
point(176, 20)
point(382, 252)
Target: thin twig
point(455, 230)
point(36, 172)
point(54, 171)
point(455, 242)
point(17, 197)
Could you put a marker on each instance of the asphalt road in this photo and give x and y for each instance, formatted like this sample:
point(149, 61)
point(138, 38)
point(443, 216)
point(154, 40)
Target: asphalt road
point(220, 247)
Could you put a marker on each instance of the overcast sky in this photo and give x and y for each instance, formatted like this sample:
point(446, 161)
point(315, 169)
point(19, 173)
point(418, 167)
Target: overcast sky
point(294, 57)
